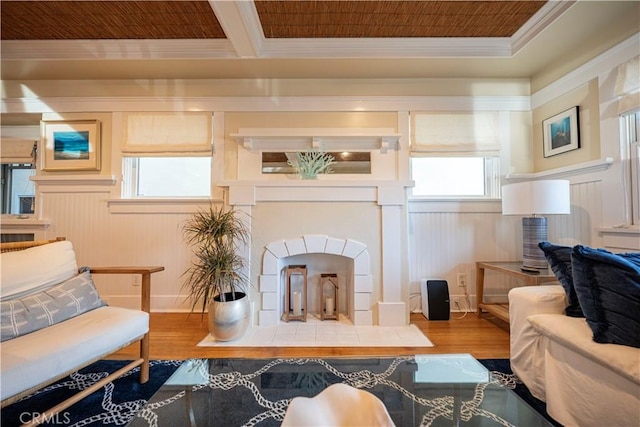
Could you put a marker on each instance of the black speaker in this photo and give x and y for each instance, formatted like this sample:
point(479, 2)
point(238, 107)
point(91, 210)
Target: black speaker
point(435, 299)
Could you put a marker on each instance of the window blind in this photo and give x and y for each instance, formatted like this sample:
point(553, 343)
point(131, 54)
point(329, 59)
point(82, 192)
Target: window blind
point(183, 134)
point(17, 150)
point(455, 133)
point(627, 87)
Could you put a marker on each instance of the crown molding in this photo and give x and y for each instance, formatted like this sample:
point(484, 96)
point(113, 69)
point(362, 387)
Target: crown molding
point(539, 22)
point(243, 46)
point(599, 65)
point(471, 47)
point(300, 103)
point(116, 49)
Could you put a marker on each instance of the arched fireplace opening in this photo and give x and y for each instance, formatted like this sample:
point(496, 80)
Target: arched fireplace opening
point(321, 254)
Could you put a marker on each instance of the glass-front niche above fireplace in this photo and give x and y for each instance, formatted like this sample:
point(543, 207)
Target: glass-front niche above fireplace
point(346, 162)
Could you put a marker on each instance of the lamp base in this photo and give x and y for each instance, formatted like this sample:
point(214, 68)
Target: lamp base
point(534, 231)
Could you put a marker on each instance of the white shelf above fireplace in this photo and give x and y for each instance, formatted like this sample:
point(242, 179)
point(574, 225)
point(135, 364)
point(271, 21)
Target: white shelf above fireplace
point(327, 139)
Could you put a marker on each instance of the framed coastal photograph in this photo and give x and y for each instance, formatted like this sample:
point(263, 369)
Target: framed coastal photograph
point(561, 133)
point(71, 145)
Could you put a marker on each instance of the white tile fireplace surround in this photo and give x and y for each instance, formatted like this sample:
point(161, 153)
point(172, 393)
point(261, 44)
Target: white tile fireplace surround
point(356, 280)
point(353, 228)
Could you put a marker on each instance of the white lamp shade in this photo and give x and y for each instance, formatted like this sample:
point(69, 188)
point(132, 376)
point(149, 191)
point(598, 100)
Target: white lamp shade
point(545, 197)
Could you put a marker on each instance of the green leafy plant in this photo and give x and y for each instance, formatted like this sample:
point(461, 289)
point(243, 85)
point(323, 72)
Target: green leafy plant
point(218, 268)
point(308, 164)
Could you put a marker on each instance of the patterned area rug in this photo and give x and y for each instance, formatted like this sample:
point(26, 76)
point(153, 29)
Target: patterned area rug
point(118, 403)
point(114, 405)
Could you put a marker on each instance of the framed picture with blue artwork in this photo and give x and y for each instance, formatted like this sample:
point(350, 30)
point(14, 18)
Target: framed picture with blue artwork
point(561, 133)
point(70, 145)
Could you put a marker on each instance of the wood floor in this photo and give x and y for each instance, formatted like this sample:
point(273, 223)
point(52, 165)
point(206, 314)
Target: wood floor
point(175, 336)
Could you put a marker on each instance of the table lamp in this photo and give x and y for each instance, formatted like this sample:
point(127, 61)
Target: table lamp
point(534, 199)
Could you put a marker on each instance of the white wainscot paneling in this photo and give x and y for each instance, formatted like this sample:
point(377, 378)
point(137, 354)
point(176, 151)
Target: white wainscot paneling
point(446, 242)
point(101, 238)
point(443, 244)
point(580, 227)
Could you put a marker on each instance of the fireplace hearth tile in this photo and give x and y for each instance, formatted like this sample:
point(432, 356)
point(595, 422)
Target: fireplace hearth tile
point(320, 333)
point(363, 318)
point(268, 318)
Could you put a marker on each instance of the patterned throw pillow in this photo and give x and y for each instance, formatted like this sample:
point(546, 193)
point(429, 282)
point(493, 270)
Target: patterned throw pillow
point(30, 313)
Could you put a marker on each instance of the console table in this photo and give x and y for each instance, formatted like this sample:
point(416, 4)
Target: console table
point(512, 269)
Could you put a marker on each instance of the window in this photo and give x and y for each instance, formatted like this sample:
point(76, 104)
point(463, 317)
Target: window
point(455, 176)
point(167, 155)
point(455, 155)
point(631, 148)
point(18, 192)
point(167, 177)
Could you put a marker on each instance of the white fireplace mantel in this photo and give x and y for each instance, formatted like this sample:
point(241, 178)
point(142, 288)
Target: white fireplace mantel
point(380, 191)
point(322, 181)
point(296, 139)
point(389, 195)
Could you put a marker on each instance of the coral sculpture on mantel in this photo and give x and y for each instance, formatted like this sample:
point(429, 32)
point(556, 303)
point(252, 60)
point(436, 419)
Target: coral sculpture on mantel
point(308, 164)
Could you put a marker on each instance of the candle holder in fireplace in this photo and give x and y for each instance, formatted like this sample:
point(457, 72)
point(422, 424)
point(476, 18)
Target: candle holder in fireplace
point(329, 296)
point(295, 302)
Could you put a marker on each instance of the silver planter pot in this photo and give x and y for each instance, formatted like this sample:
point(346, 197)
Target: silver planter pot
point(229, 320)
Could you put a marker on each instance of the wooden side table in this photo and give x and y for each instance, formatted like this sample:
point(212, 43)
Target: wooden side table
point(512, 269)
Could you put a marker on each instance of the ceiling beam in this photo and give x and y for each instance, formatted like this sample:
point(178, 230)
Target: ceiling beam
point(240, 22)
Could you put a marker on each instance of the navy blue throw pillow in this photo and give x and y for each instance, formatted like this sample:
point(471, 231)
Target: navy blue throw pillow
point(559, 258)
point(608, 288)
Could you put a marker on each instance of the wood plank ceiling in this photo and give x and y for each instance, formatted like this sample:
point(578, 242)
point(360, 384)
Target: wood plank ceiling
point(304, 39)
point(104, 20)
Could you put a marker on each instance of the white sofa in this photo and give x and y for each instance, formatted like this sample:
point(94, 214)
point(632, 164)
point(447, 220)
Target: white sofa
point(54, 322)
point(583, 383)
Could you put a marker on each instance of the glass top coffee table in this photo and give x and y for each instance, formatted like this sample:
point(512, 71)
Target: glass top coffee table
point(422, 390)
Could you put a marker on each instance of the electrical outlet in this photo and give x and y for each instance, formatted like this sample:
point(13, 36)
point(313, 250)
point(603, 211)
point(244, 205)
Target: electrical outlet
point(462, 280)
point(135, 280)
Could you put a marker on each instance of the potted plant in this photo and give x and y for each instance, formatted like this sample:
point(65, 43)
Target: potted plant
point(216, 278)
